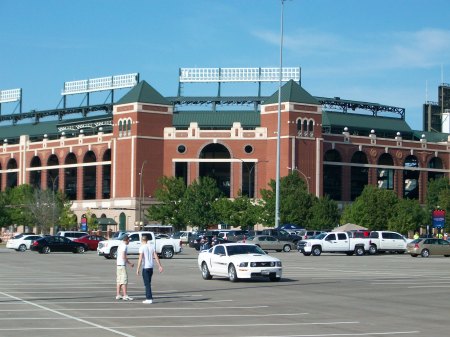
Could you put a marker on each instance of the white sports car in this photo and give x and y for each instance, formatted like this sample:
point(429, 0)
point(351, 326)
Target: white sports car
point(238, 260)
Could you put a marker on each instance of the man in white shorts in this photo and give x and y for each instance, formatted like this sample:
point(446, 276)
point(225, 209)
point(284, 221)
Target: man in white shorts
point(122, 276)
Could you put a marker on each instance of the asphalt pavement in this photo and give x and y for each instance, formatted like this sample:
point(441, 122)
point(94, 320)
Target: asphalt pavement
point(64, 294)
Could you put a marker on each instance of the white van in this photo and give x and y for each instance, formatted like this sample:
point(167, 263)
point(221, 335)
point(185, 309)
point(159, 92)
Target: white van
point(71, 234)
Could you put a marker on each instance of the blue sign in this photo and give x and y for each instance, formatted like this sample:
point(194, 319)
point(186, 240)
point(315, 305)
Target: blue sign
point(438, 218)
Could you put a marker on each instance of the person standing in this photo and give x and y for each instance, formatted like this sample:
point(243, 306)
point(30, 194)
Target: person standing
point(122, 275)
point(146, 255)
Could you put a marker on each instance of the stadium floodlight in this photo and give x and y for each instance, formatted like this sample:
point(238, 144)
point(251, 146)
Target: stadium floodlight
point(239, 74)
point(11, 95)
point(100, 84)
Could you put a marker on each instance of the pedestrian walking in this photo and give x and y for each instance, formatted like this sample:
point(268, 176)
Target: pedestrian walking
point(146, 255)
point(122, 275)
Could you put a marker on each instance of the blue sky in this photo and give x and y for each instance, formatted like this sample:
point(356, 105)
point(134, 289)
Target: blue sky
point(384, 51)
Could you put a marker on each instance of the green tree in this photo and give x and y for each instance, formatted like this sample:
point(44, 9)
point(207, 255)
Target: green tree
point(371, 209)
point(407, 216)
point(241, 211)
point(197, 206)
point(67, 218)
point(17, 200)
point(435, 187)
point(170, 196)
point(324, 214)
point(42, 209)
point(5, 219)
point(295, 201)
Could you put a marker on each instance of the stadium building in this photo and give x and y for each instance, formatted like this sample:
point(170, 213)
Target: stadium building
point(109, 160)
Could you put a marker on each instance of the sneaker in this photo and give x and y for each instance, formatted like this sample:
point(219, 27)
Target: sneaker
point(127, 298)
point(118, 297)
point(147, 301)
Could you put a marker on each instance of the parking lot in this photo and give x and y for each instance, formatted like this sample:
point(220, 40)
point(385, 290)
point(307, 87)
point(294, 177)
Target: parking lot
point(63, 294)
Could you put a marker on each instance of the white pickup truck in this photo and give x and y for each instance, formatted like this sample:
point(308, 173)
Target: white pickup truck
point(165, 248)
point(386, 241)
point(333, 242)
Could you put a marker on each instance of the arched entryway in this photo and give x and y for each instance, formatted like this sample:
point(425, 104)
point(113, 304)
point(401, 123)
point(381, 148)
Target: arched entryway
point(35, 175)
point(411, 178)
point(11, 177)
point(53, 174)
point(70, 174)
point(385, 176)
point(435, 163)
point(89, 176)
point(219, 171)
point(359, 174)
point(122, 221)
point(106, 183)
point(332, 175)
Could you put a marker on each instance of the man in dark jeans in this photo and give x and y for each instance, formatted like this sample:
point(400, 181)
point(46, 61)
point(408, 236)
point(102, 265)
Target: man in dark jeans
point(146, 255)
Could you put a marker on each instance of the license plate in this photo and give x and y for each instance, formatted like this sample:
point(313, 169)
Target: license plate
point(265, 272)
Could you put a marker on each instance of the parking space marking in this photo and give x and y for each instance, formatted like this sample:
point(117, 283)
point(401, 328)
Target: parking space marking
point(92, 325)
point(389, 333)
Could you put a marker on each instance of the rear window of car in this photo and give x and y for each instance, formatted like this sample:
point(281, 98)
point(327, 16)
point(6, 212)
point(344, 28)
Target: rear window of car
point(416, 241)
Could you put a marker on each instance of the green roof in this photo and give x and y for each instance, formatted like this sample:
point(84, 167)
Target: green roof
point(216, 119)
point(434, 137)
point(292, 92)
point(364, 122)
point(143, 93)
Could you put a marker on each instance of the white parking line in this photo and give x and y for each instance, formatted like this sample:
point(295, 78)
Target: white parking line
point(390, 333)
point(98, 326)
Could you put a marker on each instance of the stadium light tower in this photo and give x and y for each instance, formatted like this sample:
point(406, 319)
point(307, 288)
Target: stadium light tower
point(277, 178)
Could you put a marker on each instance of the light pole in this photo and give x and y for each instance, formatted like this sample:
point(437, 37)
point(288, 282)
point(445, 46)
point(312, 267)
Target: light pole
point(140, 193)
point(277, 178)
point(304, 176)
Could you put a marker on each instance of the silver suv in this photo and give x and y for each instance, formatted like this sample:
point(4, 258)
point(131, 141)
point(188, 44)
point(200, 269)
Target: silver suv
point(71, 234)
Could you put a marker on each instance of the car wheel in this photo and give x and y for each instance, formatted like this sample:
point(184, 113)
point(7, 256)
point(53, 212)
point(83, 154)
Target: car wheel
point(414, 255)
point(401, 252)
point(425, 253)
point(232, 273)
point(81, 250)
point(46, 249)
point(359, 251)
point(22, 248)
point(107, 257)
point(274, 278)
point(316, 251)
point(113, 253)
point(205, 272)
point(167, 253)
point(446, 255)
point(306, 254)
point(287, 248)
point(373, 250)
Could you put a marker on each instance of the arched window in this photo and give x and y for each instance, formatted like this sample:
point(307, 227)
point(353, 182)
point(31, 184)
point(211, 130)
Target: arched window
point(89, 176)
point(219, 171)
point(311, 129)
point(106, 183)
point(385, 176)
point(359, 174)
point(120, 128)
point(411, 178)
point(53, 174)
point(70, 174)
point(332, 175)
point(299, 127)
point(129, 127)
point(11, 177)
point(35, 175)
point(435, 163)
point(305, 128)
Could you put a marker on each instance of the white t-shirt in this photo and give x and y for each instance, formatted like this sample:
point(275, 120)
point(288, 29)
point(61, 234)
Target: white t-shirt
point(120, 256)
point(147, 250)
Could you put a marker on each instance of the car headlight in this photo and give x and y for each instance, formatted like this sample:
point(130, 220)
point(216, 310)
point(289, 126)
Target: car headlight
point(243, 264)
point(308, 244)
point(253, 264)
point(278, 263)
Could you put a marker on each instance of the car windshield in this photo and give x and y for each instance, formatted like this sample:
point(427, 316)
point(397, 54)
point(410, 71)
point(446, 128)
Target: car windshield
point(18, 236)
point(244, 249)
point(320, 236)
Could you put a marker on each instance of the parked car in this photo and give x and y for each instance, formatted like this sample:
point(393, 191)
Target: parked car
point(426, 247)
point(219, 240)
point(71, 234)
point(91, 241)
point(386, 241)
point(49, 244)
point(307, 234)
point(282, 234)
point(21, 242)
point(238, 261)
point(267, 242)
